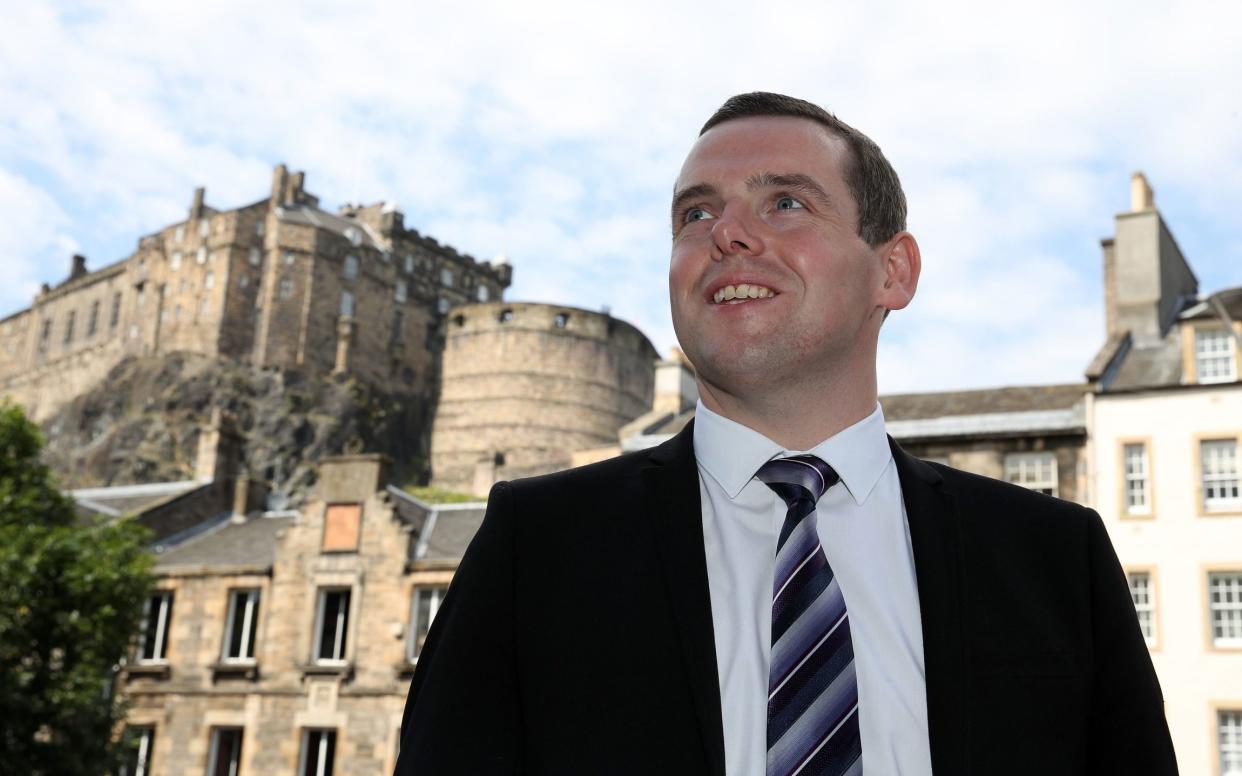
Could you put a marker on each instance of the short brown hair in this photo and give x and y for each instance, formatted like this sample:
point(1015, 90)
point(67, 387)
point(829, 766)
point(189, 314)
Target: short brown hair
point(872, 181)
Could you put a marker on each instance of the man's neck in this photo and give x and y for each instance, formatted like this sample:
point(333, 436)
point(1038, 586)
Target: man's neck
point(797, 417)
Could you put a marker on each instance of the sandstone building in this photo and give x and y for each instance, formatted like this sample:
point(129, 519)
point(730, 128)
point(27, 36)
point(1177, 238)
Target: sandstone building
point(276, 283)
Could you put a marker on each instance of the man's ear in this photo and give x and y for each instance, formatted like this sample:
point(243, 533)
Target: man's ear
point(902, 264)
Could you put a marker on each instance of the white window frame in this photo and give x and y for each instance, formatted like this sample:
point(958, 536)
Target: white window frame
point(1024, 469)
point(1229, 740)
point(1143, 594)
point(213, 757)
point(1224, 592)
point(1219, 476)
point(248, 599)
point(340, 647)
point(1136, 478)
point(320, 762)
point(435, 596)
point(162, 620)
point(142, 762)
point(1214, 356)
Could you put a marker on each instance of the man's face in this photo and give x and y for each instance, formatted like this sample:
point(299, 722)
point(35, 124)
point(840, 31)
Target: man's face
point(761, 213)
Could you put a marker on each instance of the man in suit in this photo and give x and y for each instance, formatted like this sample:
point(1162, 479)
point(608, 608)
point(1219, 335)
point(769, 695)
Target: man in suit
point(780, 589)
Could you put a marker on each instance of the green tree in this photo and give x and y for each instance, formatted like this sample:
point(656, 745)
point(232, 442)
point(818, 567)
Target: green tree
point(71, 596)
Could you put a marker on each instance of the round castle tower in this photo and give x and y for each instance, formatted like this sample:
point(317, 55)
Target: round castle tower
point(525, 385)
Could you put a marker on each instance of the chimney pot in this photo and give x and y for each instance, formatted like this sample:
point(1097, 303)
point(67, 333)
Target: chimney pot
point(1142, 198)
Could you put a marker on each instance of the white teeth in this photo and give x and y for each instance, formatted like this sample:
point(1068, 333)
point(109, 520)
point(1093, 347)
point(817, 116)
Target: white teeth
point(742, 291)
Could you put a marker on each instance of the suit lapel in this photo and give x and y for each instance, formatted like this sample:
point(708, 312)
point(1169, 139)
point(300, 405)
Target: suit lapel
point(676, 516)
point(935, 535)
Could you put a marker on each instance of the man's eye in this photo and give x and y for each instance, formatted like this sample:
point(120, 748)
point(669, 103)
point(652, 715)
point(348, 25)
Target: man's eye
point(787, 203)
point(696, 214)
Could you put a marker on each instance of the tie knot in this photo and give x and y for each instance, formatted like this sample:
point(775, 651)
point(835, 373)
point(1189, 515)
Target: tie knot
point(798, 476)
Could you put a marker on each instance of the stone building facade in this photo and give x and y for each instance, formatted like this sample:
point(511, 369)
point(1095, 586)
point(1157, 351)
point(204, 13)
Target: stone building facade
point(523, 386)
point(276, 283)
point(281, 638)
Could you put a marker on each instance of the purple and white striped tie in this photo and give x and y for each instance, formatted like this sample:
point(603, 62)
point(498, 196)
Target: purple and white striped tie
point(812, 688)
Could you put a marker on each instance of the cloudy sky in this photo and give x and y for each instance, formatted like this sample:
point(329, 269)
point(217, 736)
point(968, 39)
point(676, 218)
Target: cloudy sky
point(551, 132)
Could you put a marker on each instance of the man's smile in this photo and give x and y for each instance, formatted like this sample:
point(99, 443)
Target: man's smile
point(742, 292)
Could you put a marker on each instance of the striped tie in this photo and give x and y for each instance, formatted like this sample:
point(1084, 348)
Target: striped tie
point(812, 689)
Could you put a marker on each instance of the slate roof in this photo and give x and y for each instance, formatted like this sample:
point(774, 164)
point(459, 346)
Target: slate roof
point(116, 500)
point(1029, 398)
point(251, 543)
point(442, 531)
point(313, 216)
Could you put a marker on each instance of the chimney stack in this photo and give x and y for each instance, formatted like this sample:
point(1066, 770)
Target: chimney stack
point(1142, 198)
point(77, 268)
point(196, 208)
point(280, 182)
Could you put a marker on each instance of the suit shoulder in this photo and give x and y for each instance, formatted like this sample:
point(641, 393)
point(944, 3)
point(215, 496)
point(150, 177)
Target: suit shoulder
point(975, 491)
point(593, 478)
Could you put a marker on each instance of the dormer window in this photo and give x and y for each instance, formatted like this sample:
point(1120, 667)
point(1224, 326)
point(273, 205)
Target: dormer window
point(1214, 356)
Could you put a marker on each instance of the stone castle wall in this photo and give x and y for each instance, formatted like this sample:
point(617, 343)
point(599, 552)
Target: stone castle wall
point(523, 385)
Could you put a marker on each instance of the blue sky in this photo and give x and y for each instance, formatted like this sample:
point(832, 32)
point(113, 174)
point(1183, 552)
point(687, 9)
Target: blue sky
point(551, 132)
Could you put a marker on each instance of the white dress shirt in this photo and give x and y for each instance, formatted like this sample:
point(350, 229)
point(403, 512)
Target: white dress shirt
point(862, 526)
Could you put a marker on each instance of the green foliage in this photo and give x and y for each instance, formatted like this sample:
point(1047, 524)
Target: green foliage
point(439, 495)
point(71, 595)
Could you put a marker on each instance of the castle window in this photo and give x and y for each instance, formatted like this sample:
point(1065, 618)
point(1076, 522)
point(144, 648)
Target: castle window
point(116, 310)
point(285, 290)
point(400, 292)
point(258, 227)
point(353, 235)
point(203, 226)
point(179, 235)
point(243, 281)
point(483, 293)
point(409, 264)
point(331, 625)
point(153, 638)
point(240, 627)
point(446, 277)
point(204, 306)
point(351, 267)
point(174, 261)
point(1037, 471)
point(561, 320)
point(200, 255)
point(459, 320)
point(224, 758)
point(506, 316)
point(177, 313)
point(318, 753)
point(426, 604)
point(209, 281)
point(46, 334)
point(142, 294)
point(133, 331)
point(347, 304)
point(92, 323)
point(139, 743)
point(73, 315)
point(443, 304)
point(289, 257)
point(1214, 362)
point(256, 256)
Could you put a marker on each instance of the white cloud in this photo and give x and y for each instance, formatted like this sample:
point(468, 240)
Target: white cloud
point(552, 131)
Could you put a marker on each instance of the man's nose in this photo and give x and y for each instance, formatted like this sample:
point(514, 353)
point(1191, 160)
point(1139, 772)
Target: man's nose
point(733, 234)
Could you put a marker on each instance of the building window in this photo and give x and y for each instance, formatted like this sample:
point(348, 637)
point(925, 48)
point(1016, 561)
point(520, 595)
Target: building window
point(443, 304)
point(200, 256)
point(139, 743)
point(483, 293)
point(73, 316)
point(354, 236)
point(258, 227)
point(174, 261)
point(241, 626)
point(426, 604)
point(342, 524)
point(285, 290)
point(1214, 361)
point(318, 752)
point(409, 264)
point(45, 335)
point(1229, 723)
point(209, 281)
point(331, 625)
point(1037, 471)
point(225, 756)
point(347, 304)
point(1137, 479)
point(561, 320)
point(506, 316)
point(351, 267)
point(289, 257)
point(1143, 594)
point(1225, 608)
point(1219, 462)
point(92, 323)
point(179, 235)
point(156, 617)
point(256, 256)
point(446, 277)
point(400, 292)
point(116, 310)
point(142, 294)
point(243, 281)
point(203, 226)
point(177, 313)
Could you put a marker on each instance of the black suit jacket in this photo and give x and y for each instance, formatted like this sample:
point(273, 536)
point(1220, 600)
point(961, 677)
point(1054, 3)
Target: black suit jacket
point(576, 637)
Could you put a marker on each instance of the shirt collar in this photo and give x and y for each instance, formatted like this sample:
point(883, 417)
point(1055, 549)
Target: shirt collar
point(731, 453)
